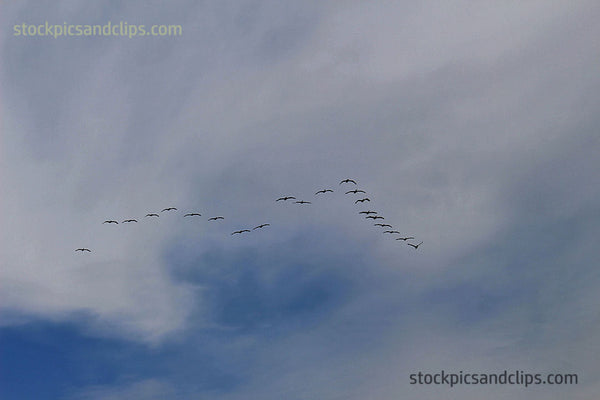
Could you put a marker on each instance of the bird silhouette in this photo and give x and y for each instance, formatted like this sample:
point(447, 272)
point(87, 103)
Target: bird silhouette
point(362, 200)
point(391, 232)
point(215, 218)
point(241, 231)
point(110, 221)
point(405, 238)
point(193, 215)
point(302, 202)
point(355, 191)
point(324, 191)
point(260, 226)
point(152, 215)
point(373, 217)
point(383, 225)
point(285, 198)
point(129, 220)
point(416, 246)
point(348, 181)
point(168, 209)
point(83, 249)
point(368, 212)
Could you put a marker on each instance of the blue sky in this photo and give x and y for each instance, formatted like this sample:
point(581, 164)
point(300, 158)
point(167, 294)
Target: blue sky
point(472, 127)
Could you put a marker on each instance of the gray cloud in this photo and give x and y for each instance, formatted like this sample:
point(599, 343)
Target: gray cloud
point(472, 127)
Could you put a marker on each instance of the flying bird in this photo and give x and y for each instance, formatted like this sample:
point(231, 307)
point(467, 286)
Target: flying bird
point(383, 225)
point(215, 218)
point(348, 181)
point(110, 221)
point(324, 191)
point(260, 226)
point(168, 209)
point(130, 220)
point(355, 191)
point(405, 238)
point(391, 232)
point(193, 215)
point(285, 198)
point(152, 215)
point(416, 246)
point(374, 217)
point(241, 231)
point(362, 200)
point(302, 202)
point(83, 249)
point(368, 212)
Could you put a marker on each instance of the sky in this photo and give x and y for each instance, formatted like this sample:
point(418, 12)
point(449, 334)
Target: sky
point(472, 127)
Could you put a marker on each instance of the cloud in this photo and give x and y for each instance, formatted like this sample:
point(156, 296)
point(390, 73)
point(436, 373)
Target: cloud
point(146, 390)
point(471, 127)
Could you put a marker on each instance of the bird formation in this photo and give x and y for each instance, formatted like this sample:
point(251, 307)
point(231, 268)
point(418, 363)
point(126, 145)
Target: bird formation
point(368, 214)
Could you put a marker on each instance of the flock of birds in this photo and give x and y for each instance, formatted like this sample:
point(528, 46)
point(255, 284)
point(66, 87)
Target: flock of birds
point(369, 214)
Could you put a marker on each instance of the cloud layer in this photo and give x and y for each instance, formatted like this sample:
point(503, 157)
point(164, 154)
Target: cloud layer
point(472, 127)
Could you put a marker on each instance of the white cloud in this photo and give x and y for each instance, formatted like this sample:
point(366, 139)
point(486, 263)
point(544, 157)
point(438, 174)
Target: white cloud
point(452, 116)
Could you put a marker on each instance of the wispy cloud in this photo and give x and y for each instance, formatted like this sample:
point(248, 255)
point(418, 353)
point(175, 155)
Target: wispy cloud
point(470, 127)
